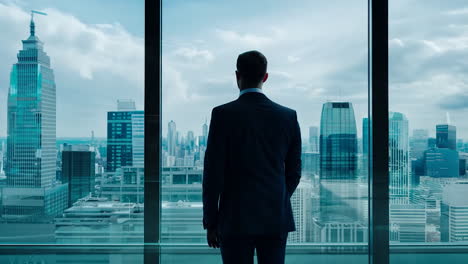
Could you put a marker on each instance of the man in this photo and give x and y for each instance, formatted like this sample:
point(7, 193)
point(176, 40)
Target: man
point(252, 167)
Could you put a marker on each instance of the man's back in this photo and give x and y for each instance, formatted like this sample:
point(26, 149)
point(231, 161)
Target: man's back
point(252, 167)
point(253, 160)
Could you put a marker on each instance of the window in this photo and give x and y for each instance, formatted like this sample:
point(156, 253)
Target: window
point(66, 144)
point(428, 131)
point(315, 67)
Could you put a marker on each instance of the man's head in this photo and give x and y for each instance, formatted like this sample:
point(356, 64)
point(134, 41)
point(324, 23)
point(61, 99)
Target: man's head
point(251, 70)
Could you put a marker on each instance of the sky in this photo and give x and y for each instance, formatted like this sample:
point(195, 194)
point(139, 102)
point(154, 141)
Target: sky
point(316, 50)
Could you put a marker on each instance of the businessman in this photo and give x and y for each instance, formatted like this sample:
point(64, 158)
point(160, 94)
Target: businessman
point(252, 167)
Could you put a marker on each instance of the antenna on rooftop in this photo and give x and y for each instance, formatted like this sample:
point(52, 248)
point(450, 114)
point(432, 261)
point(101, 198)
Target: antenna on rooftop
point(37, 12)
point(32, 25)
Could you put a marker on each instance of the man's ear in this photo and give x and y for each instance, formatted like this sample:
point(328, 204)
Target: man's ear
point(237, 75)
point(265, 77)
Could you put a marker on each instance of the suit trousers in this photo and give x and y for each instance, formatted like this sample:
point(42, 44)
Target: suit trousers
point(237, 249)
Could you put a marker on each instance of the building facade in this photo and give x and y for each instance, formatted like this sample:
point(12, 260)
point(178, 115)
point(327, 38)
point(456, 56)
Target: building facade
point(78, 170)
point(400, 164)
point(446, 136)
point(338, 141)
point(125, 139)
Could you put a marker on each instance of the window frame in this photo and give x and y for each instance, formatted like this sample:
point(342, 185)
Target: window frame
point(378, 130)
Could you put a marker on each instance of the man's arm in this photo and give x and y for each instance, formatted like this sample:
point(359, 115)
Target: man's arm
point(293, 159)
point(213, 172)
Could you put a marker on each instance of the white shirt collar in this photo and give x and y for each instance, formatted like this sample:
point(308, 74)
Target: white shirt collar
point(250, 90)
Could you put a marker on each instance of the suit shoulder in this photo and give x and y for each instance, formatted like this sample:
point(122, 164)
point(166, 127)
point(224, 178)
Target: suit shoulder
point(284, 109)
point(224, 107)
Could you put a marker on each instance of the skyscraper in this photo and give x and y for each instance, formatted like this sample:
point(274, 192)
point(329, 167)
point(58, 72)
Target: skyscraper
point(399, 166)
point(441, 163)
point(78, 171)
point(338, 141)
point(171, 138)
point(408, 223)
point(446, 136)
point(454, 213)
point(31, 139)
point(204, 137)
point(341, 200)
point(138, 139)
point(313, 139)
point(418, 143)
point(365, 136)
point(190, 140)
point(125, 142)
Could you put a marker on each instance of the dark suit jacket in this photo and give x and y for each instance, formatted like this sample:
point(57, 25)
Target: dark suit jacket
point(252, 167)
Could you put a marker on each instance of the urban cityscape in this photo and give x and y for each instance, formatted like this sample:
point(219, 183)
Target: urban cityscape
point(91, 190)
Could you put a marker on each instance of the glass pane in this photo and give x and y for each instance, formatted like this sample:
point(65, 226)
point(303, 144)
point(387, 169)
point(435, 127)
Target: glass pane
point(316, 66)
point(71, 122)
point(428, 128)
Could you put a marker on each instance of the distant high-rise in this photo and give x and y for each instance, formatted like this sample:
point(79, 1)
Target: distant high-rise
point(310, 163)
point(301, 207)
point(418, 143)
point(441, 163)
point(138, 139)
point(446, 136)
point(365, 136)
point(125, 139)
point(408, 223)
point(171, 138)
point(190, 140)
point(338, 141)
point(204, 137)
point(78, 171)
point(454, 213)
point(31, 152)
point(313, 139)
point(399, 166)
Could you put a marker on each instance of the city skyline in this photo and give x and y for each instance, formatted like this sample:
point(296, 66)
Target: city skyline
point(55, 181)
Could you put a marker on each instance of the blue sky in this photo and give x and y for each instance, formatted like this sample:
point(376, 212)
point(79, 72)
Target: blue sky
point(317, 52)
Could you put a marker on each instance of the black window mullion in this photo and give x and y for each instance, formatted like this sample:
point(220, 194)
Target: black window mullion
point(152, 134)
point(378, 133)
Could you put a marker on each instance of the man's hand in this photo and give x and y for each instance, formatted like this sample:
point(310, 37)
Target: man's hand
point(212, 237)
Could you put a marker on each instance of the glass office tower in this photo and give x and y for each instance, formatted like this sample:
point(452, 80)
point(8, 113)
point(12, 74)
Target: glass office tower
point(31, 150)
point(446, 136)
point(338, 141)
point(78, 171)
point(399, 155)
point(342, 214)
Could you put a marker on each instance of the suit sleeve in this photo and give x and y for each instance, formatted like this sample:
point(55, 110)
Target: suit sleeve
point(293, 159)
point(213, 173)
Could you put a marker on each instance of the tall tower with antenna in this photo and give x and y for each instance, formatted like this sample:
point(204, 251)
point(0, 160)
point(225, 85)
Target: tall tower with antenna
point(31, 137)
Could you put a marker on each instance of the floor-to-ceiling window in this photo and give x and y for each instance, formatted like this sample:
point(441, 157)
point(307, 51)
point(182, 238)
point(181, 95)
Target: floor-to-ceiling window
point(318, 65)
point(427, 126)
point(71, 125)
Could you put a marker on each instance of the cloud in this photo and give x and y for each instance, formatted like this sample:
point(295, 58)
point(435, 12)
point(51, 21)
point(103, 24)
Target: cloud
point(455, 102)
point(293, 59)
point(247, 39)
point(194, 54)
point(456, 12)
point(397, 41)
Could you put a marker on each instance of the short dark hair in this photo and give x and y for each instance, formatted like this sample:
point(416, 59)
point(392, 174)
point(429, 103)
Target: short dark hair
point(252, 65)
